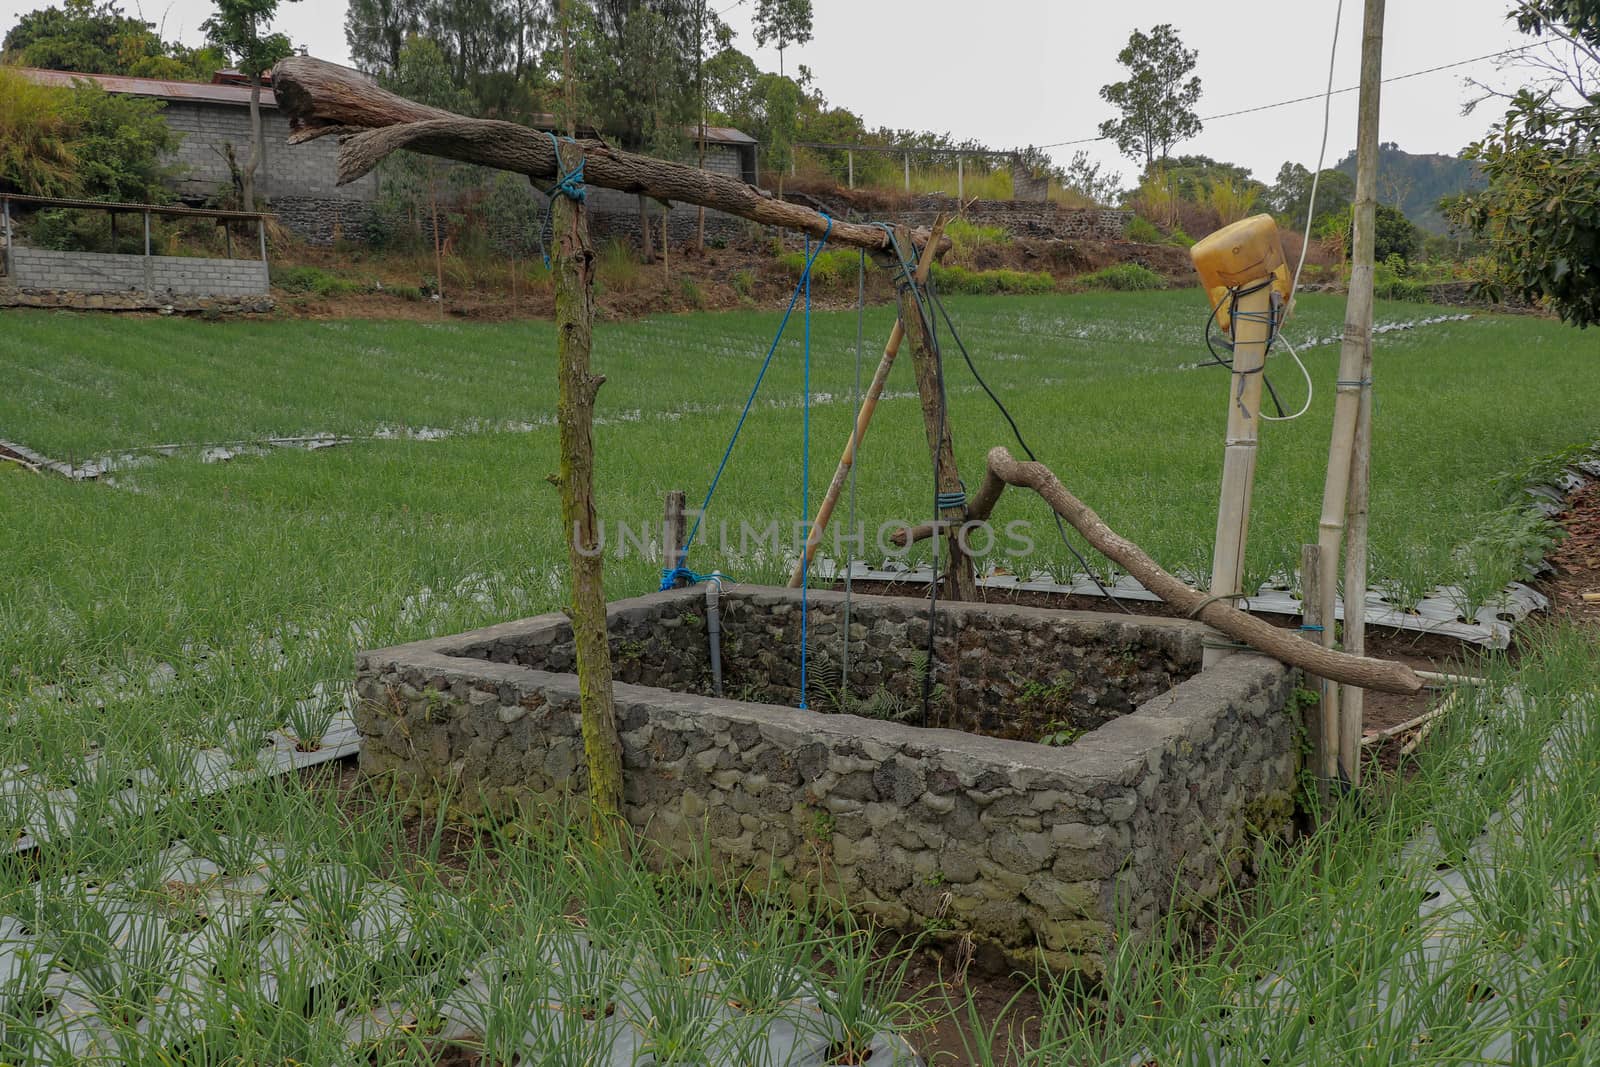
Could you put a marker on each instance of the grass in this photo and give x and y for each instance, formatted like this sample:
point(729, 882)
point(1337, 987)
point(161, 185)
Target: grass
point(212, 598)
point(1345, 952)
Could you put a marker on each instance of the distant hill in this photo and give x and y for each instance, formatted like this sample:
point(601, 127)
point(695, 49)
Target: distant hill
point(1415, 184)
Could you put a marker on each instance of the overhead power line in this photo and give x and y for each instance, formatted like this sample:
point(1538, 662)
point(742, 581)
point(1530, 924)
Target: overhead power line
point(1320, 96)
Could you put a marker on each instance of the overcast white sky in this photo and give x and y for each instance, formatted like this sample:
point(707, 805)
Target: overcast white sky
point(1015, 72)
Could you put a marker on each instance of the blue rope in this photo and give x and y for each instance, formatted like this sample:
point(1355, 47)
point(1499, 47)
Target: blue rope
point(671, 576)
point(569, 185)
point(802, 287)
point(805, 473)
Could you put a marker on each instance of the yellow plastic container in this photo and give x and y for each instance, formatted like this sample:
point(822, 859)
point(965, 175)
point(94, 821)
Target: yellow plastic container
point(1238, 256)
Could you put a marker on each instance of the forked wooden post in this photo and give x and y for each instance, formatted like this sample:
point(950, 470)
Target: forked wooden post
point(869, 405)
point(960, 581)
point(573, 264)
point(1252, 329)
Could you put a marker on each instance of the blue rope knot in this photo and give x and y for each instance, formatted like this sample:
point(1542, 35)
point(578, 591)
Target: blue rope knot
point(1313, 629)
point(670, 577)
point(569, 185)
point(957, 499)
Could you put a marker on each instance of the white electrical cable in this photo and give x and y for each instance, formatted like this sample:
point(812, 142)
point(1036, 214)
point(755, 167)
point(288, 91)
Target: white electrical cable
point(1311, 390)
point(1322, 153)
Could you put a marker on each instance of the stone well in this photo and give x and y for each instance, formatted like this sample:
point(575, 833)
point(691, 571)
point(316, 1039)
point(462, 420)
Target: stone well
point(1163, 783)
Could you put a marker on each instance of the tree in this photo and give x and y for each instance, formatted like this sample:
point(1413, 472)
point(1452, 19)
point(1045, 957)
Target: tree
point(1158, 98)
point(1289, 197)
point(1541, 210)
point(780, 99)
point(784, 22)
point(376, 31)
point(1396, 235)
point(239, 28)
point(97, 38)
point(122, 144)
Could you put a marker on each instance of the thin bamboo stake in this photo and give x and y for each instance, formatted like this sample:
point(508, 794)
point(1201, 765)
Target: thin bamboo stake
point(1324, 736)
point(869, 405)
point(1252, 329)
point(1353, 358)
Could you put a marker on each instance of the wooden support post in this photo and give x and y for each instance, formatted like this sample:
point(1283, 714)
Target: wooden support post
point(5, 210)
point(1353, 385)
point(850, 169)
point(227, 238)
point(908, 172)
point(113, 231)
point(674, 531)
point(149, 267)
point(1321, 729)
point(573, 261)
point(666, 263)
point(1251, 332)
point(960, 581)
point(961, 183)
point(261, 235)
point(869, 405)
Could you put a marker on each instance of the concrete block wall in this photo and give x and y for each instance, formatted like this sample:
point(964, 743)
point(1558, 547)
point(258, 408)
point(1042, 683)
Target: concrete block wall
point(99, 272)
point(306, 170)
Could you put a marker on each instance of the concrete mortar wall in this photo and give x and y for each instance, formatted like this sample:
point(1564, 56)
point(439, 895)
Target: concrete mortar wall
point(100, 272)
point(1037, 850)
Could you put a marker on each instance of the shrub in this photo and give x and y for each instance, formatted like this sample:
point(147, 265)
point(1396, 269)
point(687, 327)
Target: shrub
point(958, 279)
point(969, 240)
point(1125, 277)
point(1143, 231)
point(313, 280)
point(36, 152)
point(121, 143)
point(689, 289)
point(743, 281)
point(1180, 238)
point(832, 268)
point(618, 268)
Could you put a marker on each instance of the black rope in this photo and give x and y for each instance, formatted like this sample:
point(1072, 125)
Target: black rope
point(1233, 306)
point(1016, 432)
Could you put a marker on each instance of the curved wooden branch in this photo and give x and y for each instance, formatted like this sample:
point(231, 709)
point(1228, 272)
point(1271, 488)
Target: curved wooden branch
point(322, 98)
point(1363, 671)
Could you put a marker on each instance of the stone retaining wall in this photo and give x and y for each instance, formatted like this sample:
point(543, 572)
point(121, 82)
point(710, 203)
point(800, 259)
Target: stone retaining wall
point(102, 272)
point(1036, 850)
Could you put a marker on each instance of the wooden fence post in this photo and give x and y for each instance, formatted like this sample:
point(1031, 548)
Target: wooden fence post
point(574, 280)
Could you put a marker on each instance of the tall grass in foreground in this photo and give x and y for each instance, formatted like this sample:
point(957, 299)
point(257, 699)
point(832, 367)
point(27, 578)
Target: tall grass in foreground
point(272, 925)
point(1447, 916)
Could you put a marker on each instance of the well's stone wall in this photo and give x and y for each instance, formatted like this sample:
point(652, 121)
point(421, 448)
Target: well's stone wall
point(1034, 849)
point(102, 272)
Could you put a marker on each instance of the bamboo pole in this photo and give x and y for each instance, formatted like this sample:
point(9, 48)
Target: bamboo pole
point(573, 261)
point(1252, 330)
point(869, 405)
point(1352, 384)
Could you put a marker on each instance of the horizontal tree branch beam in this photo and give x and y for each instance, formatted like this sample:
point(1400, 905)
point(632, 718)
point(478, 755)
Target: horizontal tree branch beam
point(323, 98)
point(1283, 645)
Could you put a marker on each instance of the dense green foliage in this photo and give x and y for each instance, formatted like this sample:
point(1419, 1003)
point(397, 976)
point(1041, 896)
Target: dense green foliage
point(1290, 197)
point(1156, 101)
point(1124, 277)
point(81, 142)
point(96, 37)
point(1541, 210)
